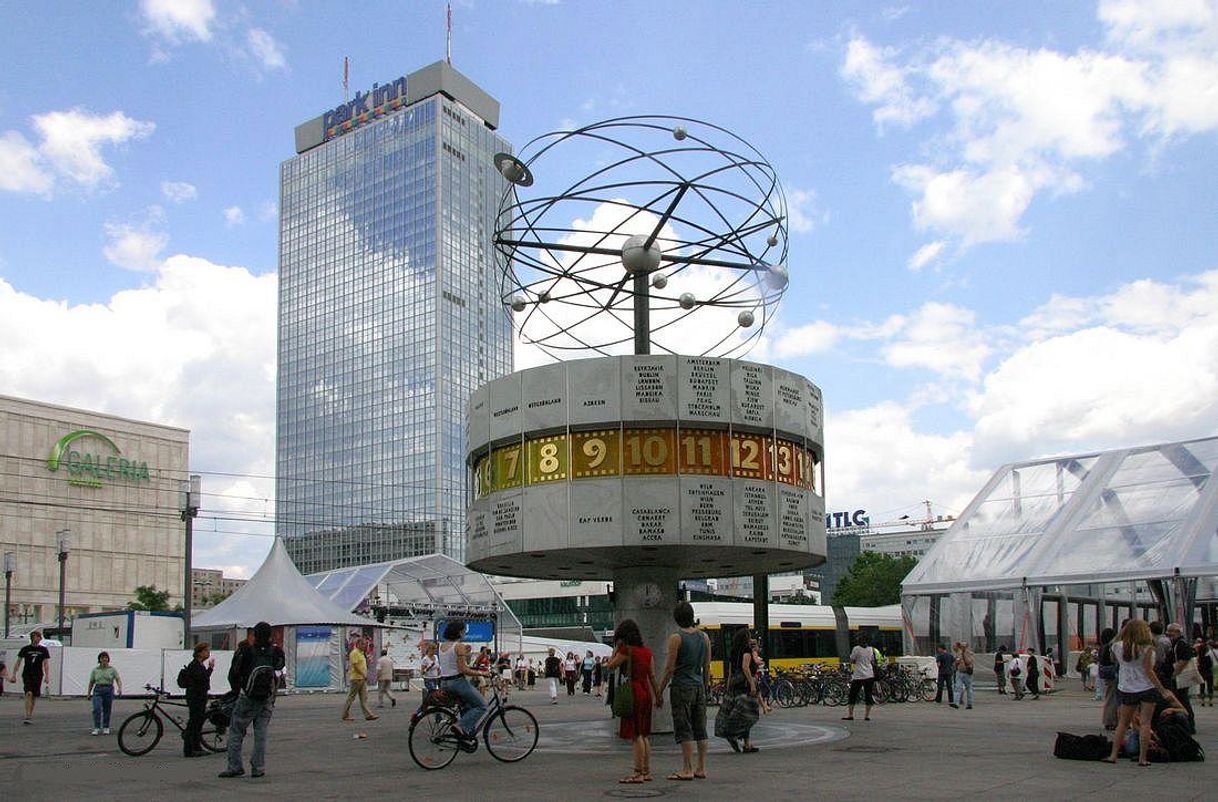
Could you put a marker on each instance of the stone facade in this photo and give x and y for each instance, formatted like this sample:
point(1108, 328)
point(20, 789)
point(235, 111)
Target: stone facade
point(112, 483)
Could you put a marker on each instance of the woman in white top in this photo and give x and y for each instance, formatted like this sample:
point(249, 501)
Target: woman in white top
point(862, 677)
point(453, 659)
point(1137, 683)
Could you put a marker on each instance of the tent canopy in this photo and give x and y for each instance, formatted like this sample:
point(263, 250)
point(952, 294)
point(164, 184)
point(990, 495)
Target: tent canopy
point(431, 581)
point(279, 595)
point(1136, 513)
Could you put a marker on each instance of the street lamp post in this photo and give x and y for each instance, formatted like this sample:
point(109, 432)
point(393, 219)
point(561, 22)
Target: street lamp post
point(188, 505)
point(10, 563)
point(64, 538)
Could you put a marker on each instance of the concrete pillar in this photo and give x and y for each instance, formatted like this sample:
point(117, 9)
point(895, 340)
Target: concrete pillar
point(761, 614)
point(648, 594)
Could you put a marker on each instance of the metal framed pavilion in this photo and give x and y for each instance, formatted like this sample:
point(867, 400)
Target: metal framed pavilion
point(1053, 550)
point(421, 589)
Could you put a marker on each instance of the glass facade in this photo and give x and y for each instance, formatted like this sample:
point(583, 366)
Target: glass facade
point(389, 317)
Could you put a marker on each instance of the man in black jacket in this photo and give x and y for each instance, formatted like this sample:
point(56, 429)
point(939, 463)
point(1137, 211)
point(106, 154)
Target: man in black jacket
point(253, 665)
point(196, 679)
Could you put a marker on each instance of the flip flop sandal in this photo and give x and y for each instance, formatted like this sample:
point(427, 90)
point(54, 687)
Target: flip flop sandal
point(675, 776)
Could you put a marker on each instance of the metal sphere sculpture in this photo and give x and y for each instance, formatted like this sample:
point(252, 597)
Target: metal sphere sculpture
point(672, 233)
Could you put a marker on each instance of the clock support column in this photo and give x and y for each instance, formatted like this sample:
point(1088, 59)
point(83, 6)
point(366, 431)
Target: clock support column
point(635, 596)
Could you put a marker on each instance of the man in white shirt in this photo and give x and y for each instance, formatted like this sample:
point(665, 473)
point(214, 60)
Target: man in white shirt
point(384, 679)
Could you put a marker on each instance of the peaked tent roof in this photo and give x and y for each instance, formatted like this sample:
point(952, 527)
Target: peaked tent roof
point(277, 594)
point(1135, 513)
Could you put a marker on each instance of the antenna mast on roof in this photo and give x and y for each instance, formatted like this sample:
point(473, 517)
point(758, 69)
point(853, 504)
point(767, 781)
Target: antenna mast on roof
point(450, 35)
point(346, 75)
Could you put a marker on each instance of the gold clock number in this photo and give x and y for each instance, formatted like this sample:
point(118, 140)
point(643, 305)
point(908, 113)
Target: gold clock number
point(596, 449)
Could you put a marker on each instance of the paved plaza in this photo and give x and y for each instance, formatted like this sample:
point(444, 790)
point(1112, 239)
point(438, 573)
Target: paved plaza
point(999, 750)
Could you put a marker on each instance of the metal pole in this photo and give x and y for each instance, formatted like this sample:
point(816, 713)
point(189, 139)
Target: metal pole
point(8, 598)
point(63, 567)
point(186, 604)
point(761, 614)
point(642, 313)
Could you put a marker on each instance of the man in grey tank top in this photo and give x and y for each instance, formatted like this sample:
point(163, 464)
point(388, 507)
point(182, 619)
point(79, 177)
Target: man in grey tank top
point(688, 667)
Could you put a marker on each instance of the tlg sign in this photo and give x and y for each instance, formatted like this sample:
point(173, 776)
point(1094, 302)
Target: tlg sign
point(847, 520)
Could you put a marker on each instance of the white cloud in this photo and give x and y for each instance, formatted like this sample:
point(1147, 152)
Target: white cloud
point(942, 338)
point(265, 49)
point(1025, 121)
point(21, 167)
point(880, 83)
point(172, 352)
point(802, 213)
point(976, 207)
point(177, 21)
point(233, 216)
point(926, 254)
point(876, 458)
point(179, 191)
point(134, 248)
point(812, 338)
point(72, 141)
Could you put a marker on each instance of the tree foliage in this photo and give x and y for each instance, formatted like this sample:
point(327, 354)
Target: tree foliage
point(873, 580)
point(147, 597)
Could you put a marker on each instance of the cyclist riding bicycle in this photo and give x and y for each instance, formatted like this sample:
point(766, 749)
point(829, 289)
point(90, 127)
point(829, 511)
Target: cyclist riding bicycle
point(453, 659)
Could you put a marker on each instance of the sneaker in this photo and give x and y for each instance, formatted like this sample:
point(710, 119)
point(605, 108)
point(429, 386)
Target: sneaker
point(371, 717)
point(105, 730)
point(257, 773)
point(954, 706)
point(95, 731)
point(393, 702)
point(26, 721)
point(231, 773)
point(968, 707)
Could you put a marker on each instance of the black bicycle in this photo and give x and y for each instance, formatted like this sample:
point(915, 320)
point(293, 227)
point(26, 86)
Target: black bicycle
point(509, 732)
point(142, 731)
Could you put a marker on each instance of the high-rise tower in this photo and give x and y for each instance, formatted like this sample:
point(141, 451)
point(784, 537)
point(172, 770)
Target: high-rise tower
point(389, 317)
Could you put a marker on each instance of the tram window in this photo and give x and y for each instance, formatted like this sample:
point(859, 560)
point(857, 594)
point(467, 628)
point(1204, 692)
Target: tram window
point(787, 643)
point(824, 643)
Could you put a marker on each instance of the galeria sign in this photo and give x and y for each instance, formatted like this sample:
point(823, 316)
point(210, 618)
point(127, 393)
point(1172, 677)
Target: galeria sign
point(91, 468)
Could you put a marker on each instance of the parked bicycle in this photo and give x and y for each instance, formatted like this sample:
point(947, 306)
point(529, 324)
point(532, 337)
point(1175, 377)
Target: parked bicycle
point(509, 732)
point(142, 731)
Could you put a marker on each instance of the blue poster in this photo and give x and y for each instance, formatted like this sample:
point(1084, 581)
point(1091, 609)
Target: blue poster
point(475, 631)
point(312, 657)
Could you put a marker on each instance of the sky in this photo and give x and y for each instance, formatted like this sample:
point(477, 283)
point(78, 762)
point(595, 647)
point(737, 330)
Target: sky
point(1002, 216)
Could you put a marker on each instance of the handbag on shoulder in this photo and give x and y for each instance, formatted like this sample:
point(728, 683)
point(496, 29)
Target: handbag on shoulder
point(623, 694)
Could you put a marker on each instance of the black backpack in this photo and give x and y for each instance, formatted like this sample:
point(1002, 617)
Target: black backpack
point(1172, 733)
point(260, 682)
point(1081, 747)
point(184, 676)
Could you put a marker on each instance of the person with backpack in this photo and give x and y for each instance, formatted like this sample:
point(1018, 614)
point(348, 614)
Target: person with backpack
point(195, 679)
point(1000, 664)
point(253, 676)
point(1139, 685)
point(963, 672)
point(1033, 678)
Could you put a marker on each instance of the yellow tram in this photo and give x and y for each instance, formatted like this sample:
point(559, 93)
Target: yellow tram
point(800, 633)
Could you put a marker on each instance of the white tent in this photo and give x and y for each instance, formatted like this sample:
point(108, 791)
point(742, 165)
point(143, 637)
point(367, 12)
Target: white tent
point(314, 630)
point(1070, 545)
point(278, 594)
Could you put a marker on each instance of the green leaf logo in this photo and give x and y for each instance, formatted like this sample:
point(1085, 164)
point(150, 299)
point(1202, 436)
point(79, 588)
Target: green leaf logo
point(61, 447)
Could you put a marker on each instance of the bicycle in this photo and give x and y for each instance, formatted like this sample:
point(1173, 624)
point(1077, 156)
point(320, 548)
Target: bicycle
point(509, 732)
point(142, 731)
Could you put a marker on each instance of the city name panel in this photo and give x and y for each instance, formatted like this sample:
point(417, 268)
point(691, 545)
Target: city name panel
point(583, 467)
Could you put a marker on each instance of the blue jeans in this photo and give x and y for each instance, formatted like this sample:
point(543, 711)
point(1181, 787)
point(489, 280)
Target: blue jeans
point(245, 712)
point(471, 700)
point(964, 688)
point(103, 701)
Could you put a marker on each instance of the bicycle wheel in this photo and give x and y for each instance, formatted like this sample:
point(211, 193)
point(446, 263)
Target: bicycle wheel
point(784, 693)
point(432, 742)
point(213, 738)
point(140, 733)
point(511, 735)
point(927, 690)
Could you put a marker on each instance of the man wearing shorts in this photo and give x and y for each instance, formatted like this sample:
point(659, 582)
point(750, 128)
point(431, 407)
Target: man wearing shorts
point(688, 666)
point(35, 663)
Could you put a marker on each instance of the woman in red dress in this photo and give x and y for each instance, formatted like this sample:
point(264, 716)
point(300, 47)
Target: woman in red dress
point(635, 658)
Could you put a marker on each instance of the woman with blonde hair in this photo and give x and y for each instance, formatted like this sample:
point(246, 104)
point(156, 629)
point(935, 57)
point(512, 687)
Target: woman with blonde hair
point(1137, 683)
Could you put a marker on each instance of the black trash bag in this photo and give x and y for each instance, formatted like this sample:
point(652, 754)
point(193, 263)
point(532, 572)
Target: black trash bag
point(1081, 747)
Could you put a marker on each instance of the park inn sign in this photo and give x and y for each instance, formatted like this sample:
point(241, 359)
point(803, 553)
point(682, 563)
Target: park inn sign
point(90, 468)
